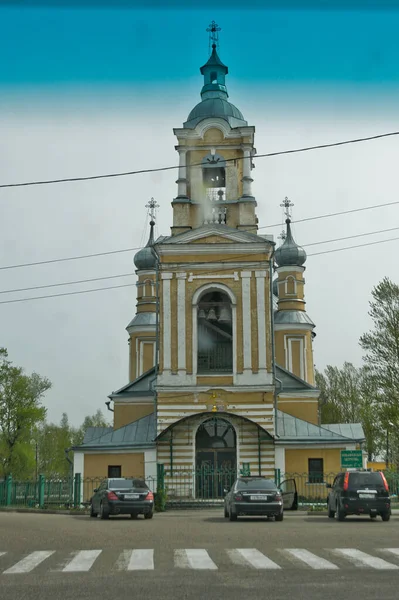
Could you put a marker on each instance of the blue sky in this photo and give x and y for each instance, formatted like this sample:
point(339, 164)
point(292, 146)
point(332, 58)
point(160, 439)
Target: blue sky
point(67, 46)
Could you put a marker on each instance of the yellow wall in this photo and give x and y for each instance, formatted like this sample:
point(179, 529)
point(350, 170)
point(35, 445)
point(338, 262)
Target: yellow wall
point(296, 461)
point(307, 411)
point(96, 465)
point(127, 413)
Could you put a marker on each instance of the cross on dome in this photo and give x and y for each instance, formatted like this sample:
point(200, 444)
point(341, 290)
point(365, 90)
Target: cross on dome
point(213, 30)
point(152, 207)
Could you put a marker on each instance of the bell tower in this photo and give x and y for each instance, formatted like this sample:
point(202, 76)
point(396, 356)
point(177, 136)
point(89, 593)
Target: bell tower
point(215, 147)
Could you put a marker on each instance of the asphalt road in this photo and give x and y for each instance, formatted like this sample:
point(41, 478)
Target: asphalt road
point(197, 555)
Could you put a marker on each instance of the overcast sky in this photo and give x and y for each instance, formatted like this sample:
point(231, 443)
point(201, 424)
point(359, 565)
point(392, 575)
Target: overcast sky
point(97, 91)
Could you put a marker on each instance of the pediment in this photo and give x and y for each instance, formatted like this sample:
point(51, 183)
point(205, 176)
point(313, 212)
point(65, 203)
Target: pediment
point(215, 234)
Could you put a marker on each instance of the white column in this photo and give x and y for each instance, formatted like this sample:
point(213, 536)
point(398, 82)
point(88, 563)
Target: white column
point(182, 181)
point(279, 460)
point(246, 319)
point(166, 322)
point(181, 323)
point(261, 312)
point(247, 179)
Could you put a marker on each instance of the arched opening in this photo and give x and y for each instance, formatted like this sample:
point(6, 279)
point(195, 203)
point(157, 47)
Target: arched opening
point(214, 77)
point(216, 457)
point(214, 177)
point(215, 333)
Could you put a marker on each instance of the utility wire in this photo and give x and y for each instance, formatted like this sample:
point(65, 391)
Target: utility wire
point(56, 260)
point(156, 170)
point(233, 259)
point(202, 273)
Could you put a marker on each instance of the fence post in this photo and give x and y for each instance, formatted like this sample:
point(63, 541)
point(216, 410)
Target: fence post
point(277, 476)
point(160, 494)
point(41, 491)
point(8, 490)
point(77, 489)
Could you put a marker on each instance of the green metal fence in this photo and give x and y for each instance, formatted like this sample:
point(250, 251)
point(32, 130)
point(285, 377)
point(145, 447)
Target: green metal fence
point(173, 488)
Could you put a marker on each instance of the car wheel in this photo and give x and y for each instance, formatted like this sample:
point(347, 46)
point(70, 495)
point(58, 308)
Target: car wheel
point(331, 513)
point(279, 517)
point(104, 514)
point(134, 516)
point(232, 516)
point(226, 514)
point(92, 513)
point(386, 516)
point(148, 515)
point(340, 514)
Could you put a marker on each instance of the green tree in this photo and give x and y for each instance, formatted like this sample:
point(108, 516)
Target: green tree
point(381, 346)
point(52, 441)
point(21, 411)
point(349, 395)
point(96, 420)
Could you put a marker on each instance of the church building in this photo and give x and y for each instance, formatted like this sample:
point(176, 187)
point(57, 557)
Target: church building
point(221, 365)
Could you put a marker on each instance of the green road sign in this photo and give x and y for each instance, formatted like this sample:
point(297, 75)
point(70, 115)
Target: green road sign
point(351, 459)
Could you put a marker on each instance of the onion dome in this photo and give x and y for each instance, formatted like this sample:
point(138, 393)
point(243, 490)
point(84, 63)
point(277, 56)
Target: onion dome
point(289, 254)
point(145, 259)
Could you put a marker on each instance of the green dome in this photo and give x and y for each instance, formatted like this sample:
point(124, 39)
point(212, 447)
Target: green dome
point(215, 107)
point(145, 259)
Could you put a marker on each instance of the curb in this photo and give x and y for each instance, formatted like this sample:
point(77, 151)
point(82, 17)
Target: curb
point(43, 511)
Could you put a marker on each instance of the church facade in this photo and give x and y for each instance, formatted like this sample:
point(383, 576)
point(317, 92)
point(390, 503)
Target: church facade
point(221, 347)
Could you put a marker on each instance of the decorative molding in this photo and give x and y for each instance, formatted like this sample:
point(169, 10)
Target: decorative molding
point(234, 276)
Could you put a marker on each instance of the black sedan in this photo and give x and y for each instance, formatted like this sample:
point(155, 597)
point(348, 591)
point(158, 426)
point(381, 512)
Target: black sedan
point(255, 496)
point(121, 496)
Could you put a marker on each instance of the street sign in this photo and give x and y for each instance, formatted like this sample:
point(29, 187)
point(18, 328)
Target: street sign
point(351, 459)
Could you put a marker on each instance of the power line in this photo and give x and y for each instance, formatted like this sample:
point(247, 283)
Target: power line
point(328, 215)
point(218, 270)
point(156, 170)
point(113, 287)
point(233, 259)
point(110, 252)
point(50, 285)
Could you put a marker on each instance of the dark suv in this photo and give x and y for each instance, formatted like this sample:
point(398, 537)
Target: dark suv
point(359, 493)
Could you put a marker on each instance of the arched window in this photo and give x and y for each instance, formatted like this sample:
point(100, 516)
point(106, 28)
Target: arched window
point(214, 77)
point(214, 333)
point(214, 177)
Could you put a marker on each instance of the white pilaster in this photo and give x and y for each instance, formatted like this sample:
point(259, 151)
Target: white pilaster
point(247, 179)
point(166, 321)
point(280, 461)
point(181, 323)
point(182, 181)
point(261, 311)
point(246, 319)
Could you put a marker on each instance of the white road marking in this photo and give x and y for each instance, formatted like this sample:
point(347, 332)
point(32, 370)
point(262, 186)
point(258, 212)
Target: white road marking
point(310, 559)
point(141, 560)
point(3, 553)
point(82, 561)
point(31, 561)
point(394, 551)
point(251, 556)
point(193, 559)
point(361, 559)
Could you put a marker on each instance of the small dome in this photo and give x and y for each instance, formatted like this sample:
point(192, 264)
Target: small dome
point(215, 107)
point(289, 254)
point(145, 259)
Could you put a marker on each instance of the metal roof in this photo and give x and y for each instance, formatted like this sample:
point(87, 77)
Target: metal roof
point(92, 433)
point(215, 107)
point(138, 433)
point(293, 430)
point(290, 317)
point(142, 319)
point(142, 386)
point(352, 430)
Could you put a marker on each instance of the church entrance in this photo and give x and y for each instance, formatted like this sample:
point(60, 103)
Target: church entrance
point(216, 458)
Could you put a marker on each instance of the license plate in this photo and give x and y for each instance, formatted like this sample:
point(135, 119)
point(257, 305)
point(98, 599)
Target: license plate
point(370, 496)
point(132, 496)
point(259, 497)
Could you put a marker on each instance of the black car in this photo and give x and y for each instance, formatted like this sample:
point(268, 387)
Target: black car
point(258, 496)
point(359, 493)
point(121, 496)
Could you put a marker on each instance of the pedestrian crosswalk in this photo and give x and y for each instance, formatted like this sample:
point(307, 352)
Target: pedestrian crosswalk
point(200, 559)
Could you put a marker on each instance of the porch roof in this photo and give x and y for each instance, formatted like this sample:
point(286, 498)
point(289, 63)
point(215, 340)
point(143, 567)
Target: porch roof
point(291, 430)
point(138, 434)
